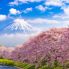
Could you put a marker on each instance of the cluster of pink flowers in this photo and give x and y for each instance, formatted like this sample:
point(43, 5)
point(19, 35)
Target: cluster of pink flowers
point(5, 52)
point(50, 45)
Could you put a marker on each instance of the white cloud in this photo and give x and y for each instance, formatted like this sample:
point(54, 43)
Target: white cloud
point(17, 2)
point(45, 23)
point(66, 10)
point(41, 8)
point(64, 15)
point(54, 2)
point(25, 1)
point(63, 19)
point(14, 3)
point(3, 17)
point(42, 20)
point(27, 10)
point(47, 2)
point(14, 11)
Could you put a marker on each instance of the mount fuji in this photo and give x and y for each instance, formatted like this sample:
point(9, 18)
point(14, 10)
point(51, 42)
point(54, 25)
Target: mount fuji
point(19, 26)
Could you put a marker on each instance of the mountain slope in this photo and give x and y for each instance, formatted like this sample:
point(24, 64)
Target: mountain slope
point(19, 26)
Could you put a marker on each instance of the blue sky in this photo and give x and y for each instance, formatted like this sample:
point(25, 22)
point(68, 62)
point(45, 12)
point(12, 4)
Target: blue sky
point(22, 19)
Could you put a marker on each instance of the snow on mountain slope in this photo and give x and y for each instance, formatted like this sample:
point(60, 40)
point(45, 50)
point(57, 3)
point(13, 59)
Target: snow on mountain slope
point(19, 25)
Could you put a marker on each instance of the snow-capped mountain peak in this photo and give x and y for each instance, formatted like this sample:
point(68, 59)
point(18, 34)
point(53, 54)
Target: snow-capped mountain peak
point(19, 25)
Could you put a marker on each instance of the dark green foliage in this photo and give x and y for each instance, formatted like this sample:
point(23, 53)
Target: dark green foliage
point(56, 64)
point(43, 67)
point(46, 67)
point(43, 62)
point(30, 67)
point(53, 65)
point(1, 57)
